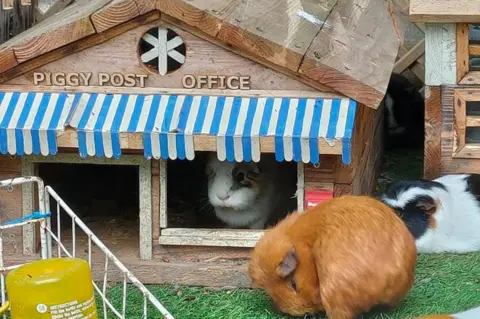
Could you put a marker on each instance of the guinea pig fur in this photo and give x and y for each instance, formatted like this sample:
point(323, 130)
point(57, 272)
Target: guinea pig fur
point(442, 214)
point(343, 257)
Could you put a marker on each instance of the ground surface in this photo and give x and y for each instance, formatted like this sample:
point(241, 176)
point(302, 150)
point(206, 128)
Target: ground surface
point(444, 283)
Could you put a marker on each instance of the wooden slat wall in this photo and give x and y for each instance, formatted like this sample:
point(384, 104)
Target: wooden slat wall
point(16, 16)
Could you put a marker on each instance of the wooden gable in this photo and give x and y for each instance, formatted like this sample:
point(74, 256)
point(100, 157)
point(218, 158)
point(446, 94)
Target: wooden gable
point(345, 46)
point(120, 55)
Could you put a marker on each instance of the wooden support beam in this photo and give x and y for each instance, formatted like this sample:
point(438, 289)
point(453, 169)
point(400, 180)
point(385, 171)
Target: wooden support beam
point(445, 11)
point(408, 59)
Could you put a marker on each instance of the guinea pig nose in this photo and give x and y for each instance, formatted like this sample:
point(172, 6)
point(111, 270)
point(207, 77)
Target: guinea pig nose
point(223, 196)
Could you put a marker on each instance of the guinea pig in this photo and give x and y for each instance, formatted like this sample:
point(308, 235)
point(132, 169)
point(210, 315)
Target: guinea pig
point(342, 257)
point(442, 214)
point(473, 313)
point(248, 194)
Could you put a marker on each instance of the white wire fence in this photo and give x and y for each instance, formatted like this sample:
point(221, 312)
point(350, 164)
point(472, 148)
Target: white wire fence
point(46, 195)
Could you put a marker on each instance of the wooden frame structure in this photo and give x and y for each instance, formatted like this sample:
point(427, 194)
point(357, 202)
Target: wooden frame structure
point(452, 83)
point(296, 63)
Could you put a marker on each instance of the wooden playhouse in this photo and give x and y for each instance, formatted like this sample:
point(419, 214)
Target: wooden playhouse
point(135, 87)
point(452, 79)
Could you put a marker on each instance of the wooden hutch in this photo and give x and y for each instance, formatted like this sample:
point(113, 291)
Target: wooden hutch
point(145, 82)
point(452, 79)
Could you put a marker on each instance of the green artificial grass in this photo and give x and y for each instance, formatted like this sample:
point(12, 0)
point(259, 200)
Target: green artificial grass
point(444, 283)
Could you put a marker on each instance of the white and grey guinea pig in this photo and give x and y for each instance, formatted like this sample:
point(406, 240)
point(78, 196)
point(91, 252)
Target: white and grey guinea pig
point(442, 214)
point(246, 194)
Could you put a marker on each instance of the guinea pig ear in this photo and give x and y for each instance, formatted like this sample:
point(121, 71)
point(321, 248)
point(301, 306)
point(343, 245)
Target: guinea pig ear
point(288, 264)
point(428, 206)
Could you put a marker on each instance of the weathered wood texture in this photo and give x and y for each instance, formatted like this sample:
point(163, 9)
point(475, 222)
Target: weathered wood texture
point(440, 54)
point(351, 54)
point(367, 155)
point(445, 11)
point(433, 132)
point(462, 50)
point(202, 58)
point(10, 203)
point(450, 164)
point(333, 43)
point(14, 19)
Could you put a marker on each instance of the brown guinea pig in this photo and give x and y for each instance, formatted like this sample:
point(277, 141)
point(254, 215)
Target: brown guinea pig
point(342, 257)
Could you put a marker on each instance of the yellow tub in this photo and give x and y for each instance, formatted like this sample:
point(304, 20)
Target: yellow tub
point(58, 288)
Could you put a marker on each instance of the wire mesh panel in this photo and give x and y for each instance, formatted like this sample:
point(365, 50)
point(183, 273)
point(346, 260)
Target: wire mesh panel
point(110, 267)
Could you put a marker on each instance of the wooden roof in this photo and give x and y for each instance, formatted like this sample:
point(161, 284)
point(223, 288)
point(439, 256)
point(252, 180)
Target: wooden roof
point(445, 11)
point(347, 46)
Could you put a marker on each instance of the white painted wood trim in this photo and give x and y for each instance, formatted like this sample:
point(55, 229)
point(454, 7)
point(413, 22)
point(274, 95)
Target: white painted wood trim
point(145, 212)
point(163, 194)
point(145, 200)
point(28, 206)
point(300, 186)
point(440, 54)
point(210, 237)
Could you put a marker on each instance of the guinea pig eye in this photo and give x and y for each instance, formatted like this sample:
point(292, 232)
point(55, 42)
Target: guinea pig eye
point(239, 176)
point(293, 284)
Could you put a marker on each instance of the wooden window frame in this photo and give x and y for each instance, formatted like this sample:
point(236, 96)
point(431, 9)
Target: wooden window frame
point(223, 237)
point(464, 49)
point(145, 194)
point(461, 121)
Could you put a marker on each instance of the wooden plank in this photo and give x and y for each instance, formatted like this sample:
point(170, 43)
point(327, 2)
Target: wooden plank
point(205, 15)
point(473, 121)
point(155, 199)
point(462, 50)
point(445, 11)
point(474, 49)
point(471, 78)
point(209, 237)
point(115, 13)
point(353, 55)
point(433, 131)
point(134, 141)
point(7, 59)
point(145, 231)
point(278, 31)
point(163, 194)
point(300, 186)
point(80, 45)
point(66, 27)
point(408, 59)
point(440, 54)
point(210, 92)
point(55, 8)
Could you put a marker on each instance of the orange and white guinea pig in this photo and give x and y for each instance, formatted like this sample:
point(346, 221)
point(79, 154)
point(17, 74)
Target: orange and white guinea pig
point(342, 257)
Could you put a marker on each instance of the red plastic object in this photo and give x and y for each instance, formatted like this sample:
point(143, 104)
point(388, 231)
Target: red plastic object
point(315, 197)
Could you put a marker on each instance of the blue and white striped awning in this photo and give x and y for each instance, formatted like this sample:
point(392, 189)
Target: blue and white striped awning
point(29, 123)
point(170, 122)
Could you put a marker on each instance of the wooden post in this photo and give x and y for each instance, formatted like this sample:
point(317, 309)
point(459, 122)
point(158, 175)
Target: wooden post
point(433, 132)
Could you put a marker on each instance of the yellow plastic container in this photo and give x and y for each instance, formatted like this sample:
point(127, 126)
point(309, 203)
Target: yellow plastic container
point(58, 288)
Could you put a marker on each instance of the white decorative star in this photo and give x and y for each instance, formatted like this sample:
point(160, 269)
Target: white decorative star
point(162, 49)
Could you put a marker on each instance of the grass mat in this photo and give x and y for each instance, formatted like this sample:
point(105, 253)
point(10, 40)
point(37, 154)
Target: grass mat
point(444, 283)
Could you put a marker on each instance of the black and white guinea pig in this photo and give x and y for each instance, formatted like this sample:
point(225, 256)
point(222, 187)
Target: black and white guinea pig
point(404, 114)
point(442, 214)
point(248, 194)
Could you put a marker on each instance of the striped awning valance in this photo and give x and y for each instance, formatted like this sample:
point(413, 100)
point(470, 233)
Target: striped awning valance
point(169, 124)
point(30, 121)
